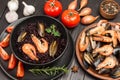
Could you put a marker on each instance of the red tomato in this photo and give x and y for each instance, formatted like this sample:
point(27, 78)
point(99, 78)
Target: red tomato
point(3, 54)
point(70, 18)
point(9, 29)
point(53, 8)
point(20, 70)
point(12, 62)
point(5, 41)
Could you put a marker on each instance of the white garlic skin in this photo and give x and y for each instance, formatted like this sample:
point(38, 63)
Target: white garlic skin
point(11, 16)
point(28, 9)
point(13, 5)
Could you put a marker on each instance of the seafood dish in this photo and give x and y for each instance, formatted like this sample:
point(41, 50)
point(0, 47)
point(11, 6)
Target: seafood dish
point(98, 49)
point(38, 41)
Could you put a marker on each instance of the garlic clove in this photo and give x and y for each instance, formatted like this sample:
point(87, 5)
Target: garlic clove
point(28, 9)
point(13, 5)
point(11, 16)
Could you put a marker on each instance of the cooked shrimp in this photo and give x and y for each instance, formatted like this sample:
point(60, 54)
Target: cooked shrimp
point(42, 45)
point(84, 41)
point(102, 39)
point(102, 23)
point(109, 62)
point(114, 36)
point(96, 30)
point(117, 29)
point(30, 51)
point(99, 28)
point(105, 50)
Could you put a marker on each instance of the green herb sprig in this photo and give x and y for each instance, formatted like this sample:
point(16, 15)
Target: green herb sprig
point(49, 71)
point(53, 31)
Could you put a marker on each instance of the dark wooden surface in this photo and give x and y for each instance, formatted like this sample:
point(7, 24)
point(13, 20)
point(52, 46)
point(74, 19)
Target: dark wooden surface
point(94, 4)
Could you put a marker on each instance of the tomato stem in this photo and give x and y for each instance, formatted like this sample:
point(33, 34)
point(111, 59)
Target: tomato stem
point(71, 14)
point(52, 3)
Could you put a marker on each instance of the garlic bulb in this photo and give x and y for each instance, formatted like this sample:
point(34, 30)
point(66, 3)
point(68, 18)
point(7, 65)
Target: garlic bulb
point(28, 9)
point(13, 5)
point(11, 16)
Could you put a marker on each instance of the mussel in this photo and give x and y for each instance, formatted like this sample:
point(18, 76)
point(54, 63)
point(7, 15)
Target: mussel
point(115, 73)
point(104, 71)
point(86, 64)
point(41, 29)
point(21, 37)
point(116, 51)
point(106, 25)
point(92, 42)
point(53, 48)
point(98, 60)
point(98, 44)
point(88, 58)
point(89, 48)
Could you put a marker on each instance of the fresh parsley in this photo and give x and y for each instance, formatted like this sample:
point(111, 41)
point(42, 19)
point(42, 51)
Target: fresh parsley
point(52, 30)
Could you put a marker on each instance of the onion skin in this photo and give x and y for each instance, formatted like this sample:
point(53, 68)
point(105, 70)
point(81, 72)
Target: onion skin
point(88, 19)
point(83, 3)
point(86, 11)
point(73, 5)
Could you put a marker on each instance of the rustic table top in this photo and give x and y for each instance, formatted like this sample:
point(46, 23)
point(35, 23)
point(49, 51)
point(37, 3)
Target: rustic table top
point(94, 4)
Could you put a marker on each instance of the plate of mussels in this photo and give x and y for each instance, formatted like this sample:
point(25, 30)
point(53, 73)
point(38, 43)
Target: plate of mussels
point(98, 49)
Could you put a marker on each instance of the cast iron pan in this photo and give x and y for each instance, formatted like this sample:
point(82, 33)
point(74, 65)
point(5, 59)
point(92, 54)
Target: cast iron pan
point(48, 21)
point(64, 61)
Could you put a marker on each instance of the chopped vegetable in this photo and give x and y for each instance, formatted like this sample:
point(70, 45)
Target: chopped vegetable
point(12, 62)
point(20, 70)
point(3, 54)
point(5, 41)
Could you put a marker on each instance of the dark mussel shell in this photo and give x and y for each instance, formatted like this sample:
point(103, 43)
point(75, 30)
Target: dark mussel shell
point(53, 48)
point(88, 58)
point(21, 37)
point(115, 73)
point(41, 29)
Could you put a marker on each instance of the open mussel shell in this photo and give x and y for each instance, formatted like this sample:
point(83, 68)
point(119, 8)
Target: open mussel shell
point(98, 60)
point(88, 58)
point(104, 71)
point(86, 64)
point(41, 29)
point(53, 48)
point(115, 73)
point(21, 37)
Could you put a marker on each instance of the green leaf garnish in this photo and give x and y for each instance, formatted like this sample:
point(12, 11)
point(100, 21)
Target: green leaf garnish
point(48, 30)
point(53, 31)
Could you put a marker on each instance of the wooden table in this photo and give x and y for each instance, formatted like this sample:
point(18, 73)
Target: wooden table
point(81, 74)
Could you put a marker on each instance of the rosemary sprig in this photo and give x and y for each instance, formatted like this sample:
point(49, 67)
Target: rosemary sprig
point(49, 71)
